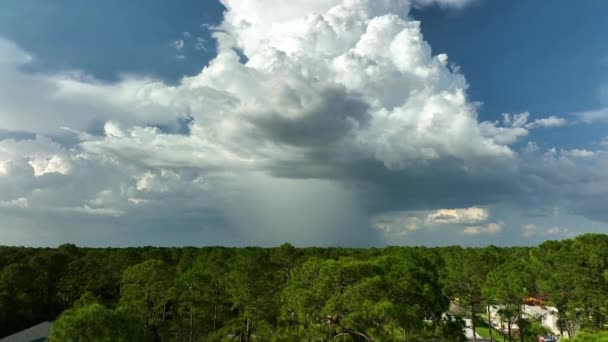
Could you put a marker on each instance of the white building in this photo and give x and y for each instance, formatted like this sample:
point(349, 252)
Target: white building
point(547, 315)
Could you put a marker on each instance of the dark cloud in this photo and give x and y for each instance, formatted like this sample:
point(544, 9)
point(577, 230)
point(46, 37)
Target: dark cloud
point(330, 119)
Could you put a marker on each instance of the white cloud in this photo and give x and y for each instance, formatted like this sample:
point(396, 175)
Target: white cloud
point(597, 115)
point(76, 101)
point(333, 94)
point(576, 153)
point(451, 216)
point(551, 121)
point(16, 203)
point(445, 3)
point(400, 223)
point(489, 228)
point(516, 120)
point(177, 44)
point(86, 210)
point(531, 230)
point(38, 156)
point(3, 168)
point(522, 120)
point(331, 87)
point(54, 164)
point(327, 84)
point(531, 147)
point(201, 44)
point(516, 126)
point(397, 223)
point(502, 135)
point(113, 129)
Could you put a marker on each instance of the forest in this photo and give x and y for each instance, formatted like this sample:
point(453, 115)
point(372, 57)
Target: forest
point(301, 294)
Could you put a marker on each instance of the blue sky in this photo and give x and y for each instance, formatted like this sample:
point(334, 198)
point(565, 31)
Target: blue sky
point(529, 56)
point(109, 38)
point(140, 122)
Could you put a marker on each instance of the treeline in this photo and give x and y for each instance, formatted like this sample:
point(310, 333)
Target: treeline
point(290, 294)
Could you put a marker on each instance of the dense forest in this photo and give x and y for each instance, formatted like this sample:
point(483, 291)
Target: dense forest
point(292, 294)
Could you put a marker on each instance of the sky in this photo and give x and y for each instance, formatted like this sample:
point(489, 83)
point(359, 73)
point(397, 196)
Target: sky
point(315, 122)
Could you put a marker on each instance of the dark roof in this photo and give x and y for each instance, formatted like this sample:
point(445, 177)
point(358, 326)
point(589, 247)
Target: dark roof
point(38, 332)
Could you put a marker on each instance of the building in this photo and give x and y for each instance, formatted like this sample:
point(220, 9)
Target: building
point(546, 315)
point(37, 333)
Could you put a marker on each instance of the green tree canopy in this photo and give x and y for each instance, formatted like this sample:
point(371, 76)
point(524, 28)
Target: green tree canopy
point(145, 291)
point(95, 322)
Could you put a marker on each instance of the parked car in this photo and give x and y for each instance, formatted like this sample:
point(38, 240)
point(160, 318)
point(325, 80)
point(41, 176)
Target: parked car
point(547, 339)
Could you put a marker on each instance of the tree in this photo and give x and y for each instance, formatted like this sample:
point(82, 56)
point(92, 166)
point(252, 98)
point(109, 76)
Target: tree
point(509, 284)
point(411, 284)
point(285, 293)
point(285, 258)
point(145, 291)
point(89, 273)
point(333, 298)
point(570, 276)
point(95, 322)
point(384, 299)
point(19, 295)
point(49, 266)
point(202, 291)
point(251, 281)
point(464, 274)
point(588, 336)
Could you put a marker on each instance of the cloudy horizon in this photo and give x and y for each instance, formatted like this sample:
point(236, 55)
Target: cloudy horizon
point(318, 123)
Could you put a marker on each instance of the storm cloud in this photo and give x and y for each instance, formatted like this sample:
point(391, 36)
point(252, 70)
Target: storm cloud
point(319, 123)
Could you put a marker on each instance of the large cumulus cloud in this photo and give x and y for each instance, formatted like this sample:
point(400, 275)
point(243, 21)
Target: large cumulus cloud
point(315, 123)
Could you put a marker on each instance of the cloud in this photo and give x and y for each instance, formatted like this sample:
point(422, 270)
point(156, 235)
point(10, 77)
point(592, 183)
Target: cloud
point(551, 121)
point(466, 215)
point(597, 115)
point(522, 120)
point(177, 44)
point(201, 44)
point(75, 100)
point(16, 203)
point(315, 121)
point(397, 223)
point(516, 126)
point(400, 223)
point(444, 3)
point(516, 120)
point(576, 153)
point(489, 228)
point(531, 230)
point(328, 95)
point(572, 178)
point(319, 89)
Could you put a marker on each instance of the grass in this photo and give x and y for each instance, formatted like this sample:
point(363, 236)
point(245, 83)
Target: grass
point(484, 331)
